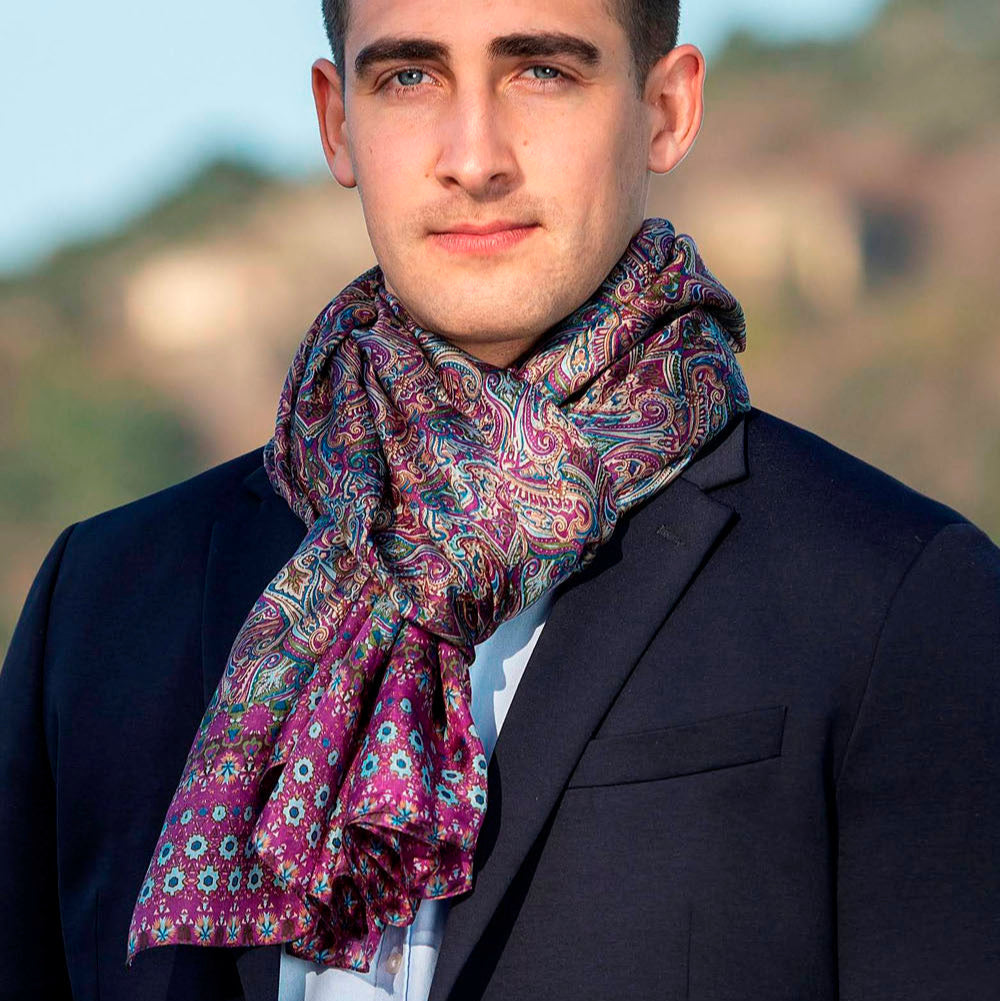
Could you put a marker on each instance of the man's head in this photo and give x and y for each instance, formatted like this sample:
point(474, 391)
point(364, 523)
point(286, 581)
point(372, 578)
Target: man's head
point(543, 116)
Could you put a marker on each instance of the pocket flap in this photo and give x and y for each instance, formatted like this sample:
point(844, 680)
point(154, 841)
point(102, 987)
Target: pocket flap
point(706, 744)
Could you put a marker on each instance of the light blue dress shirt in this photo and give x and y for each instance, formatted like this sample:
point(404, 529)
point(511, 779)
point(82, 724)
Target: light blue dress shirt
point(404, 964)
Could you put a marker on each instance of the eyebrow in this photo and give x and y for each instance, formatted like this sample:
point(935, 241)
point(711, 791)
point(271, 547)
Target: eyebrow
point(532, 45)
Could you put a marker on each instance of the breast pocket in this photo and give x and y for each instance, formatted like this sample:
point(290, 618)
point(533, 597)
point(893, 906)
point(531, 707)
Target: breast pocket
point(707, 744)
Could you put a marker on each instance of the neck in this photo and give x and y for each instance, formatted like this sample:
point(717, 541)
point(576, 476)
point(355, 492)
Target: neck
point(500, 352)
point(503, 353)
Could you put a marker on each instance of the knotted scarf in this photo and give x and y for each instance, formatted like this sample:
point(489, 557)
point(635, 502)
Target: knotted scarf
point(336, 778)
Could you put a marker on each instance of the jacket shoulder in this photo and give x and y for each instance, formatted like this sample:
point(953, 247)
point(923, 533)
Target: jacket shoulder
point(824, 509)
point(819, 489)
point(167, 521)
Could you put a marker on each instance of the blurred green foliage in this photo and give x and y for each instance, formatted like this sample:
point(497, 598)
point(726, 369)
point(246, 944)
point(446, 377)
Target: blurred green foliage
point(75, 446)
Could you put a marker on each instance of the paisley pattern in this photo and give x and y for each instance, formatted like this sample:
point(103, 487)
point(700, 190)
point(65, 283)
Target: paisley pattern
point(337, 778)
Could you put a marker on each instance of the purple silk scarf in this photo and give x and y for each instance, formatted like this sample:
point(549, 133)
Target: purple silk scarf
point(336, 778)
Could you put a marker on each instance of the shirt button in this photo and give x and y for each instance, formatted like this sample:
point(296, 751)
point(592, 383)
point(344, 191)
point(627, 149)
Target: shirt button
point(395, 960)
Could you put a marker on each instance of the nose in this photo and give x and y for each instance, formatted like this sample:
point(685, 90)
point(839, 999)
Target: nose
point(476, 150)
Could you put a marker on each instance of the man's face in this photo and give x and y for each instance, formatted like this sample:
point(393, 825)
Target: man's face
point(473, 114)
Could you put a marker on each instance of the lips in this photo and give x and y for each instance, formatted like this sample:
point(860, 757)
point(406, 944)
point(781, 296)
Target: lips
point(487, 238)
point(484, 229)
point(479, 242)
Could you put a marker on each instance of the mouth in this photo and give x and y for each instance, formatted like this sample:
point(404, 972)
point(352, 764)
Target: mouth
point(488, 238)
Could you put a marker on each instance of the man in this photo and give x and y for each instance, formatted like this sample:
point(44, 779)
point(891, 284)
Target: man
point(753, 747)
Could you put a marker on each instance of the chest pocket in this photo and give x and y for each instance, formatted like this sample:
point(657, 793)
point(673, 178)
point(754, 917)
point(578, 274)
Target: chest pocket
point(701, 746)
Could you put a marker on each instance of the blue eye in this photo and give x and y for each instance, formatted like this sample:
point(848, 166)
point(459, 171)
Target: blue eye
point(413, 79)
point(408, 73)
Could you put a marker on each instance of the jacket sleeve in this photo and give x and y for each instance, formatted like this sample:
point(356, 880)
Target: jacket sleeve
point(918, 795)
point(32, 959)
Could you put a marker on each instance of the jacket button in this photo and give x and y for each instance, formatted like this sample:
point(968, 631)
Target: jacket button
point(395, 960)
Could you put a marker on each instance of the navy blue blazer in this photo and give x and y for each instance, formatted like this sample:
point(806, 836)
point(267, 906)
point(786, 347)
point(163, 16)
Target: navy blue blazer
point(755, 753)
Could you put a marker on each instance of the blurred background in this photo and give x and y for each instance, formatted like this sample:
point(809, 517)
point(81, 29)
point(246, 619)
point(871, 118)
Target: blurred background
point(168, 230)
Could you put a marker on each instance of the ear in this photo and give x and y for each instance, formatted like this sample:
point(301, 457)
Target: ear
point(674, 92)
point(329, 97)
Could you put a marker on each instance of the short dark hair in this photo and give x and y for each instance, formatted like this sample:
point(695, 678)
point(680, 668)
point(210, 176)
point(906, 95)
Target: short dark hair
point(650, 25)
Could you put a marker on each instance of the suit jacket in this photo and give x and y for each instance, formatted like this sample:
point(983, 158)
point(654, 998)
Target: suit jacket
point(754, 754)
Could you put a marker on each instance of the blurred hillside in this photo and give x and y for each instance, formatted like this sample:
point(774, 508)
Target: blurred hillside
point(846, 193)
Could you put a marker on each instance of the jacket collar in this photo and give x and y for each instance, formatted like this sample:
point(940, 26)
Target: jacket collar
point(599, 623)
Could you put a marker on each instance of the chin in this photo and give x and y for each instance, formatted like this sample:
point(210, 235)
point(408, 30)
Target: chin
point(471, 329)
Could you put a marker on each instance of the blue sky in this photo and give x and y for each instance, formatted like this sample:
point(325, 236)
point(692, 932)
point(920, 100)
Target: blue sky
point(108, 103)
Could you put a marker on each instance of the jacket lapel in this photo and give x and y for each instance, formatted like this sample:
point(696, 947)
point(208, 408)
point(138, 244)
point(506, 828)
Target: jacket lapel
point(598, 626)
point(249, 545)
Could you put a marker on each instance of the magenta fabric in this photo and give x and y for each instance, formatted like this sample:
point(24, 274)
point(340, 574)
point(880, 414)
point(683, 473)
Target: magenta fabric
point(337, 778)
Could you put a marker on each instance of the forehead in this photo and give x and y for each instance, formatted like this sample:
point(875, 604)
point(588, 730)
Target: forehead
point(464, 26)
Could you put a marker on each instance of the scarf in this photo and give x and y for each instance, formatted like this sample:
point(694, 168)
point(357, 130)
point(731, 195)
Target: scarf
point(336, 778)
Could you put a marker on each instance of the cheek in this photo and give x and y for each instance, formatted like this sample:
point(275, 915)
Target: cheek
point(389, 199)
point(389, 162)
point(589, 171)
